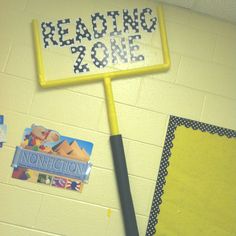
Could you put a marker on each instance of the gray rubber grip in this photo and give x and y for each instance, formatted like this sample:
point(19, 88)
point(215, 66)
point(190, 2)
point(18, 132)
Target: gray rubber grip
point(122, 179)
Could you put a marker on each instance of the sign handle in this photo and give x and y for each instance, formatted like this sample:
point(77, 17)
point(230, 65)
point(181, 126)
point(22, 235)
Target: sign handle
point(119, 161)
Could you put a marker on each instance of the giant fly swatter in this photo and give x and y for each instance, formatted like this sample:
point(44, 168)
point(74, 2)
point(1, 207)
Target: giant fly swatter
point(122, 47)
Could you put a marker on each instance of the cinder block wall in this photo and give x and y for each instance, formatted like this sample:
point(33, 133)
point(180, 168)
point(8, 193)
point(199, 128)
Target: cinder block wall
point(200, 85)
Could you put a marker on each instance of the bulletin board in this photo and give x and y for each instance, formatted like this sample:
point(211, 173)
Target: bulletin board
point(195, 191)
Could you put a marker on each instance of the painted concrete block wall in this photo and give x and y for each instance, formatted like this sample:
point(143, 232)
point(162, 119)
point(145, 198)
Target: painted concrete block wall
point(200, 85)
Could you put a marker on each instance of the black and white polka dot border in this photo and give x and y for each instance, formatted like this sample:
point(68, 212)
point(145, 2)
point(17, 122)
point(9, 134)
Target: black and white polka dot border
point(174, 122)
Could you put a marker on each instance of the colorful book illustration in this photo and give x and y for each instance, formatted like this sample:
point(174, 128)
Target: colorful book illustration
point(46, 157)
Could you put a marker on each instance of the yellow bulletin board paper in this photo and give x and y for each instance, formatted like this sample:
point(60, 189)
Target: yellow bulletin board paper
point(196, 187)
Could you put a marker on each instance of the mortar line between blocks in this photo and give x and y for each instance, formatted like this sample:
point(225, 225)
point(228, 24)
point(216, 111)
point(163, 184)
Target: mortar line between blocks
point(141, 81)
point(31, 102)
point(13, 76)
point(179, 65)
point(159, 112)
point(7, 58)
point(203, 108)
point(30, 229)
point(14, 111)
point(65, 198)
point(202, 59)
point(196, 28)
point(38, 212)
point(93, 130)
point(215, 46)
point(205, 91)
point(25, 6)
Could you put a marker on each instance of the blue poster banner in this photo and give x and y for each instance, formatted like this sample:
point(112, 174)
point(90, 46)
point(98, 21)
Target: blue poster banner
point(51, 164)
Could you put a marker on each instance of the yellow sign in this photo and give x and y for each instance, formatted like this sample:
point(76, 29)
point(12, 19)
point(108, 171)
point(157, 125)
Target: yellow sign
point(101, 50)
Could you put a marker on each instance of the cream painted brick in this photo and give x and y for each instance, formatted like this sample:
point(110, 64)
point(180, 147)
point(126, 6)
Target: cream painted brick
point(15, 129)
point(126, 90)
point(12, 5)
point(101, 182)
point(152, 55)
point(40, 233)
point(142, 222)
point(207, 76)
point(67, 107)
point(191, 42)
point(121, 89)
point(135, 3)
point(19, 206)
point(11, 230)
point(220, 111)
point(68, 217)
point(138, 124)
point(74, 8)
point(171, 74)
point(22, 62)
point(6, 157)
point(16, 24)
point(177, 14)
point(226, 29)
point(203, 22)
point(93, 89)
point(66, 10)
point(116, 226)
point(142, 193)
point(170, 99)
point(5, 47)
point(37, 233)
point(225, 51)
point(143, 159)
point(15, 94)
point(209, 24)
point(199, 21)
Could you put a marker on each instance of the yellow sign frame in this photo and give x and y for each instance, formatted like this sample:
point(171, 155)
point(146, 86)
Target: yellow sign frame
point(94, 77)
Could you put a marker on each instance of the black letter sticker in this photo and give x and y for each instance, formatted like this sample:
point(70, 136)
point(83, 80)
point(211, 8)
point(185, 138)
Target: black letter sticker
point(63, 32)
point(116, 50)
point(99, 33)
point(128, 20)
point(78, 68)
point(48, 31)
point(134, 48)
point(153, 20)
point(94, 51)
point(82, 31)
point(114, 14)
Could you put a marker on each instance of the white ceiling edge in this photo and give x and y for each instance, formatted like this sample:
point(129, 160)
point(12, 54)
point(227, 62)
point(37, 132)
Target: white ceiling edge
point(221, 9)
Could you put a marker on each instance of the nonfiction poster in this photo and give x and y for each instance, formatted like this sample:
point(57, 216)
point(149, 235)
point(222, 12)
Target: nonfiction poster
point(195, 191)
point(46, 157)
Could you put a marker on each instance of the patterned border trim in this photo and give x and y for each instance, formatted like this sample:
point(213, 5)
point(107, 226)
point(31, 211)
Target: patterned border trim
point(166, 154)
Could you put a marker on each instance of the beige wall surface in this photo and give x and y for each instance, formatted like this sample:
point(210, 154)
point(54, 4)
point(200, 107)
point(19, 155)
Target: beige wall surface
point(200, 85)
